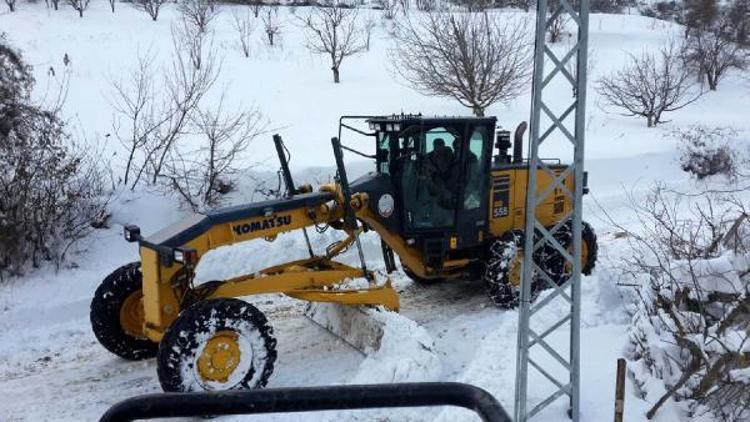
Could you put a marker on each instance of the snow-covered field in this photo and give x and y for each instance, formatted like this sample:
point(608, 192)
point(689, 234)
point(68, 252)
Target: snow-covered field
point(52, 368)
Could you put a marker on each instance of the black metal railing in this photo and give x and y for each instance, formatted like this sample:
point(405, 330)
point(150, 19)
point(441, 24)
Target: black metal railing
point(309, 399)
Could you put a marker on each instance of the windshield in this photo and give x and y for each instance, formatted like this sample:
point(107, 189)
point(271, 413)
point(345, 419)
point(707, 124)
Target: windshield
point(430, 170)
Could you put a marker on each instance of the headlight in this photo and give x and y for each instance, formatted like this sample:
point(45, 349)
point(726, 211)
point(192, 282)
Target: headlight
point(389, 127)
point(132, 233)
point(373, 126)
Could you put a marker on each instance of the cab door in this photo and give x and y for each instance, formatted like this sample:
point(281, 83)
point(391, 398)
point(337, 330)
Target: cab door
point(472, 208)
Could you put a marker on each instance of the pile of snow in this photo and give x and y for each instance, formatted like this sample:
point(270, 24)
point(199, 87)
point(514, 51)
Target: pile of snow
point(407, 352)
point(396, 348)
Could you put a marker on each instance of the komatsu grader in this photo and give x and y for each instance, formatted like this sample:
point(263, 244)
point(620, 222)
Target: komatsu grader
point(446, 197)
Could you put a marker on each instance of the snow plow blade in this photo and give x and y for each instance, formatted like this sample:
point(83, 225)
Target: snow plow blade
point(396, 348)
point(353, 324)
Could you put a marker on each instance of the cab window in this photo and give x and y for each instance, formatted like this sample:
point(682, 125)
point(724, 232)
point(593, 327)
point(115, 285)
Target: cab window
point(474, 168)
point(384, 152)
point(429, 177)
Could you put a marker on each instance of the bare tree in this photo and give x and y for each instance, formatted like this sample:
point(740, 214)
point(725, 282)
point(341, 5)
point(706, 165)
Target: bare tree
point(698, 14)
point(572, 65)
point(332, 30)
point(426, 5)
point(151, 7)
point(474, 58)
point(368, 26)
point(198, 13)
point(11, 5)
point(714, 48)
point(157, 112)
point(405, 6)
point(79, 5)
point(523, 4)
point(649, 85)
point(243, 24)
point(739, 16)
point(389, 8)
point(256, 6)
point(186, 85)
point(559, 19)
point(201, 177)
point(190, 41)
point(271, 24)
point(134, 101)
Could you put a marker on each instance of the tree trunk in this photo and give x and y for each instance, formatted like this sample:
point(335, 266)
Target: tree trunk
point(12, 7)
point(270, 38)
point(335, 75)
point(80, 12)
point(112, 5)
point(477, 110)
point(650, 121)
point(712, 80)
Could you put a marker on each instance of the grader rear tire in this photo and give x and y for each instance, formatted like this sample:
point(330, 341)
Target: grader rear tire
point(589, 251)
point(117, 314)
point(503, 270)
point(217, 344)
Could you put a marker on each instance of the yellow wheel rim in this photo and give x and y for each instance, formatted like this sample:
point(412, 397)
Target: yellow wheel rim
point(516, 269)
point(132, 315)
point(220, 357)
point(584, 257)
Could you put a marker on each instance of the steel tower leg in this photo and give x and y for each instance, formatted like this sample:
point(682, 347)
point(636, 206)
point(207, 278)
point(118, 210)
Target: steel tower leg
point(531, 337)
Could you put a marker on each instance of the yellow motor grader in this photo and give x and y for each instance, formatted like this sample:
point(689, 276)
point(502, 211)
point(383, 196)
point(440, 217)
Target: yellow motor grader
point(446, 197)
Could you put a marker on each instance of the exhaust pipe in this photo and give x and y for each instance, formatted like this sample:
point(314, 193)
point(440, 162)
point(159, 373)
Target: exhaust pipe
point(518, 143)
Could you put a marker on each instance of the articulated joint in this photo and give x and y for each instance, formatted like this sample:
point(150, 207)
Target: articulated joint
point(359, 201)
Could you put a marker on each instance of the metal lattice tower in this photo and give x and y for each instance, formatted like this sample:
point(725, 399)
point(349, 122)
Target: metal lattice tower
point(560, 366)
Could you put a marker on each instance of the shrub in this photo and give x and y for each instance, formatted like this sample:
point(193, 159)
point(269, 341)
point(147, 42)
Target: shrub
point(705, 151)
point(49, 196)
point(689, 264)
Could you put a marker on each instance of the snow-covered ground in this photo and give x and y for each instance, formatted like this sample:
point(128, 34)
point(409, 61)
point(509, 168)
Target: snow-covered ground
point(52, 368)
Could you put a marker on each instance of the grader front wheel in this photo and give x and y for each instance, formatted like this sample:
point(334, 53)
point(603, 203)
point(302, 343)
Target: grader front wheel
point(217, 344)
point(117, 314)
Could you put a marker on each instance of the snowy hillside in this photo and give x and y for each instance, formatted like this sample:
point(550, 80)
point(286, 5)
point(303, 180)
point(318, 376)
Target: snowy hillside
point(51, 366)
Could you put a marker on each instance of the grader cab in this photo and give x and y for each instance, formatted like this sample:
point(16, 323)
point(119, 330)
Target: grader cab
point(445, 197)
